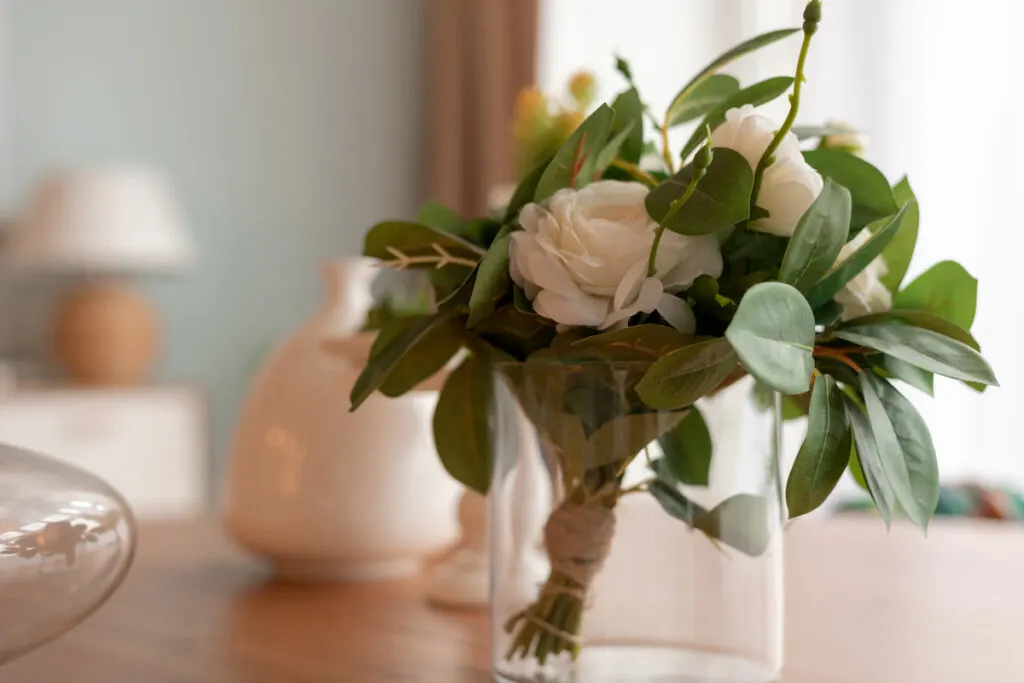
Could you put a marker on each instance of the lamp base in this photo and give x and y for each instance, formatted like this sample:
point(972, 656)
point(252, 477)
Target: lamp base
point(106, 335)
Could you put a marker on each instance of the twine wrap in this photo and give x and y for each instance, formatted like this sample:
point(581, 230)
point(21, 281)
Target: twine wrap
point(578, 539)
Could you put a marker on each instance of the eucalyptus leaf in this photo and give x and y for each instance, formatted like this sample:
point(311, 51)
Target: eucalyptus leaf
point(947, 290)
point(688, 449)
point(629, 116)
point(461, 431)
point(825, 452)
point(492, 279)
point(701, 99)
point(678, 379)
point(423, 359)
point(819, 237)
point(574, 163)
point(773, 335)
point(675, 503)
point(837, 278)
point(387, 356)
point(926, 349)
point(525, 191)
point(742, 521)
point(755, 95)
point(905, 449)
point(870, 462)
point(872, 196)
point(720, 200)
point(900, 251)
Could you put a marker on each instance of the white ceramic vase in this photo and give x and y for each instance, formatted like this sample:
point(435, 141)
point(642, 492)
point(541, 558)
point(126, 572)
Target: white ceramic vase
point(320, 492)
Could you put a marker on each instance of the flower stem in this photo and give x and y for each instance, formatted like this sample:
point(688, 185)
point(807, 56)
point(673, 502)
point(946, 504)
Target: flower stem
point(635, 171)
point(666, 151)
point(812, 16)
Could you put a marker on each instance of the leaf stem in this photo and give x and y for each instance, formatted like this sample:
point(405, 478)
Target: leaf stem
point(635, 171)
point(841, 355)
point(666, 151)
point(812, 16)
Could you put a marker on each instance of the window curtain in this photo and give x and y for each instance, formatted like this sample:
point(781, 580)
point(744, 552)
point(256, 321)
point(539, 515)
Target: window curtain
point(484, 52)
point(932, 84)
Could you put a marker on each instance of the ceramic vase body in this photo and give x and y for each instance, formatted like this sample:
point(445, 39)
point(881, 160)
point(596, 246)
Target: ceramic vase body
point(323, 493)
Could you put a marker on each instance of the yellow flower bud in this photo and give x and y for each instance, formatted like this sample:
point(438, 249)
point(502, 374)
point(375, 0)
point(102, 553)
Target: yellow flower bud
point(583, 88)
point(531, 114)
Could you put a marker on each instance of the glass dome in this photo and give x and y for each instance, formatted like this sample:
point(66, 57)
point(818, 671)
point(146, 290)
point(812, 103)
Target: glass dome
point(66, 541)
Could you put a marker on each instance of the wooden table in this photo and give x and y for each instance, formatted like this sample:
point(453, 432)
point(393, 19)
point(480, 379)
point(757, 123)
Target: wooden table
point(863, 607)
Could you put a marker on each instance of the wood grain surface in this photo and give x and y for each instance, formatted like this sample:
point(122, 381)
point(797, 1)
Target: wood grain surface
point(863, 606)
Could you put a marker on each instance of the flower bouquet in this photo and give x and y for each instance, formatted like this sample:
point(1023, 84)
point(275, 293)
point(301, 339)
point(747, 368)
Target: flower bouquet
point(614, 294)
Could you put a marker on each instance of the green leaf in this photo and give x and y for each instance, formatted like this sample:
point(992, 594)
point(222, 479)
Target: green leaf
point(439, 217)
point(621, 439)
point(742, 521)
point(688, 449)
point(461, 431)
point(870, 461)
point(911, 374)
point(899, 252)
point(516, 333)
point(611, 150)
point(629, 116)
point(525, 191)
point(639, 343)
point(756, 95)
point(383, 359)
point(773, 334)
point(923, 319)
point(394, 240)
point(728, 57)
point(423, 359)
point(905, 449)
point(720, 200)
point(926, 349)
point(492, 279)
point(826, 290)
point(828, 314)
point(811, 132)
point(855, 471)
point(825, 452)
point(574, 163)
point(818, 238)
point(675, 503)
point(872, 197)
point(687, 374)
point(947, 290)
point(701, 99)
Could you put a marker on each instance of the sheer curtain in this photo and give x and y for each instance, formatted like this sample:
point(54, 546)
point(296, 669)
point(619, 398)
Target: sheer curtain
point(937, 88)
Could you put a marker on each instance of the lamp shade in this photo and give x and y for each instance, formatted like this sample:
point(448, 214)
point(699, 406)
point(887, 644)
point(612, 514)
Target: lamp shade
point(116, 219)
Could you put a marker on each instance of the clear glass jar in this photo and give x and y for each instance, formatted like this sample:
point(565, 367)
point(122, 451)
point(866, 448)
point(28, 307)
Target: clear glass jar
point(659, 565)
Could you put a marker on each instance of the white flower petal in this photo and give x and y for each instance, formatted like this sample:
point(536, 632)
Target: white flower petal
point(788, 190)
point(548, 273)
point(677, 313)
point(583, 310)
point(702, 256)
point(530, 217)
point(645, 302)
point(629, 287)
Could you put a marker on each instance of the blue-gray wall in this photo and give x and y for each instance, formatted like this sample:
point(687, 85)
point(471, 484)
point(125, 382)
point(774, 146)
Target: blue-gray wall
point(286, 127)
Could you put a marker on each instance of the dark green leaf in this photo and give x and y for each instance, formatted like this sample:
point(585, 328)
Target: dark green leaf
point(525, 191)
point(905, 448)
point(492, 279)
point(687, 374)
point(423, 359)
point(521, 301)
point(947, 290)
point(825, 452)
point(899, 252)
point(828, 314)
point(855, 471)
point(911, 374)
point(575, 161)
point(925, 349)
point(742, 521)
point(629, 116)
point(611, 150)
point(773, 334)
point(621, 439)
point(923, 319)
point(720, 200)
point(516, 333)
point(871, 462)
point(639, 343)
point(688, 449)
point(397, 242)
point(819, 237)
point(701, 99)
point(384, 358)
point(872, 197)
point(439, 217)
point(756, 95)
point(461, 431)
point(676, 504)
point(859, 260)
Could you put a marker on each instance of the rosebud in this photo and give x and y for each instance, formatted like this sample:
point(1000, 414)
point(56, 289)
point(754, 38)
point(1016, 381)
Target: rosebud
point(849, 140)
point(531, 114)
point(583, 88)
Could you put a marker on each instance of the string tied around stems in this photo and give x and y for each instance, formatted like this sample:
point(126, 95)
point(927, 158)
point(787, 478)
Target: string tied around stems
point(578, 539)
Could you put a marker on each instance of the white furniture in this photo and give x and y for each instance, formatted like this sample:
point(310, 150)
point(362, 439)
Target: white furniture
point(150, 443)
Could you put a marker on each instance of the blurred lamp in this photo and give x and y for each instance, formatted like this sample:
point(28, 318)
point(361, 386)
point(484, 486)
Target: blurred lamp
point(104, 223)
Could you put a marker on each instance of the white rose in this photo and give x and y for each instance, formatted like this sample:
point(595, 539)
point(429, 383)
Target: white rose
point(864, 294)
point(789, 185)
point(582, 259)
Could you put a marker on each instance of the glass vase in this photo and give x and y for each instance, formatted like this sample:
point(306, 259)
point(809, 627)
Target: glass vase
point(663, 563)
point(67, 540)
